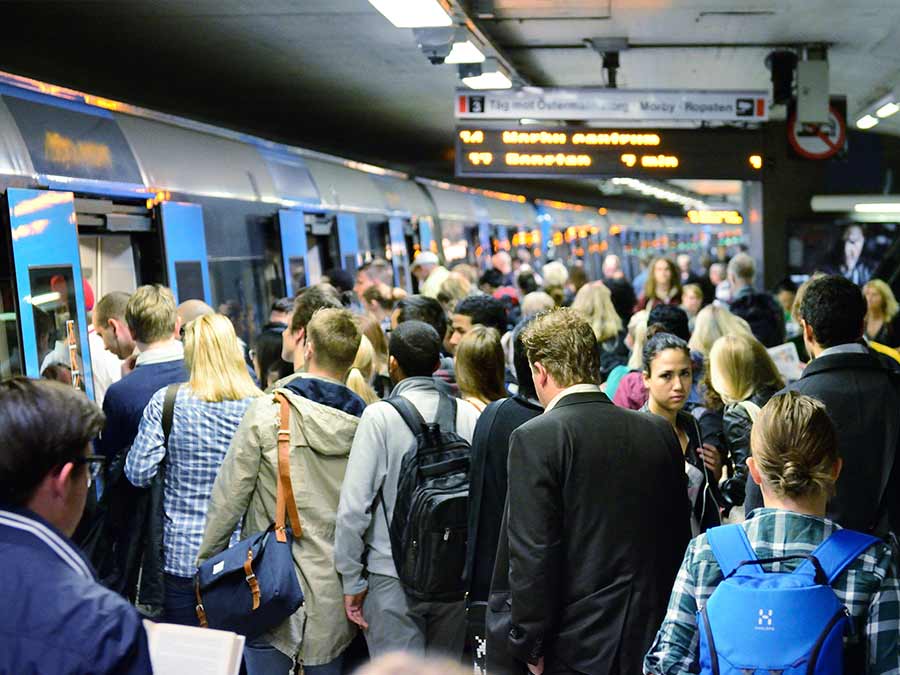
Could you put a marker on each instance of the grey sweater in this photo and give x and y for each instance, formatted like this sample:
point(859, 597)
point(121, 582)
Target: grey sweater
point(382, 439)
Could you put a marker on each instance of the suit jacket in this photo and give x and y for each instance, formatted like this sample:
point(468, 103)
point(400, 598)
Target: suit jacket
point(863, 401)
point(598, 525)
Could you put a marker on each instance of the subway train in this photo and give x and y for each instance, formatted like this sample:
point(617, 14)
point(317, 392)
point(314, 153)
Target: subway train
point(102, 192)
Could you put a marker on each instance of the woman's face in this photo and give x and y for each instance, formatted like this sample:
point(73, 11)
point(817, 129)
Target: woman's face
point(662, 274)
point(692, 303)
point(873, 298)
point(669, 381)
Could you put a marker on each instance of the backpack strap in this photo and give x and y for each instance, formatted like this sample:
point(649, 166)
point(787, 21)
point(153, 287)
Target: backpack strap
point(837, 552)
point(731, 547)
point(410, 414)
point(285, 501)
point(168, 412)
point(445, 417)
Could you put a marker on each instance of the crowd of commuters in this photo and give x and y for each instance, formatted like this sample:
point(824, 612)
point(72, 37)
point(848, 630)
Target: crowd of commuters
point(601, 430)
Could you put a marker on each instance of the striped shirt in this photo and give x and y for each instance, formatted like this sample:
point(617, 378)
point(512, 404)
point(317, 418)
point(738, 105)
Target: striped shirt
point(869, 588)
point(201, 434)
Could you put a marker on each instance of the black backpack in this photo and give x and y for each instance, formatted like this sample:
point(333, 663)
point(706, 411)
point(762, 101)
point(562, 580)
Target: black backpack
point(429, 528)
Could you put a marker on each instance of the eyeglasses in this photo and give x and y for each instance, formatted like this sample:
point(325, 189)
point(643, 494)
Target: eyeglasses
point(95, 465)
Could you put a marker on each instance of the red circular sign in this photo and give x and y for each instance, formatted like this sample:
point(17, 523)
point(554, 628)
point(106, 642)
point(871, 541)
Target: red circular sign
point(818, 141)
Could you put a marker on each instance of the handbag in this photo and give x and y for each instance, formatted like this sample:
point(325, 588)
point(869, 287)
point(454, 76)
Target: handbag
point(252, 586)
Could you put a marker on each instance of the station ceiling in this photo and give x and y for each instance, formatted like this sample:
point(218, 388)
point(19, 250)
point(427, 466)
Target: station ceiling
point(336, 76)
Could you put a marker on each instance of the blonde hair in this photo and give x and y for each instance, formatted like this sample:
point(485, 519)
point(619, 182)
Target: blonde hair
point(794, 444)
point(362, 370)
point(371, 328)
point(335, 337)
point(692, 289)
point(712, 322)
point(455, 287)
point(637, 329)
point(565, 345)
point(891, 308)
point(479, 365)
point(594, 303)
point(740, 366)
point(535, 303)
point(213, 355)
point(151, 314)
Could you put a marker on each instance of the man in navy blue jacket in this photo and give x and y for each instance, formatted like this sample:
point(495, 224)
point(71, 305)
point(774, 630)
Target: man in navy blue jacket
point(56, 618)
point(128, 520)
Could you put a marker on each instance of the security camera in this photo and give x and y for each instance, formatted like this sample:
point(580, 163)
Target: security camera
point(435, 43)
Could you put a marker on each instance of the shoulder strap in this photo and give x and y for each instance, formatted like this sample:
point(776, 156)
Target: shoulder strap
point(284, 494)
point(837, 552)
point(410, 414)
point(168, 412)
point(731, 547)
point(445, 417)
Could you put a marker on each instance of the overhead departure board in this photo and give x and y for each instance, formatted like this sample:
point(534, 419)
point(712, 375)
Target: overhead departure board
point(528, 152)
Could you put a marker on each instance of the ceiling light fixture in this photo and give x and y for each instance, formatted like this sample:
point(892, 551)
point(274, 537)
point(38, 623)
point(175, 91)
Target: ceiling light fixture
point(487, 75)
point(888, 109)
point(413, 13)
point(465, 52)
point(877, 207)
point(866, 122)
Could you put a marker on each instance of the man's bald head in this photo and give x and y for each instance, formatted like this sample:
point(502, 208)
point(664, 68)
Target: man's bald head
point(191, 309)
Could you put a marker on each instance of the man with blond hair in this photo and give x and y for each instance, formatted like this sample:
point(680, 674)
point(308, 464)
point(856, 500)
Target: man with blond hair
point(598, 514)
point(324, 415)
point(126, 522)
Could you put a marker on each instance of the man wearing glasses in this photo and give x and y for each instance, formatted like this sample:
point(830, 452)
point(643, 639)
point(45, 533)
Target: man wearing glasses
point(56, 617)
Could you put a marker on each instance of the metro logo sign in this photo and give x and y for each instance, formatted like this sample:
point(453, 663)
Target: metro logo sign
point(614, 104)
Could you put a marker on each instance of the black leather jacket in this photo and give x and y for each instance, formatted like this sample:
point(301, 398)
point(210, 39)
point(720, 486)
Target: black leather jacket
point(736, 427)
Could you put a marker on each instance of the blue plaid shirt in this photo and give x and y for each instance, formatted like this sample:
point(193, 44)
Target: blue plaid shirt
point(869, 588)
point(201, 434)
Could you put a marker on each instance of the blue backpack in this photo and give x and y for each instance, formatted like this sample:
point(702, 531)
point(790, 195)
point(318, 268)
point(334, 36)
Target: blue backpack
point(765, 623)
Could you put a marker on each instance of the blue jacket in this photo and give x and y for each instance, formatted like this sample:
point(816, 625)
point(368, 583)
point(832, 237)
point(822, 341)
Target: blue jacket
point(56, 618)
point(126, 399)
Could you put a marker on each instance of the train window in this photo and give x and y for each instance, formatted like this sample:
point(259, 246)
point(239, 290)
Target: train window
point(189, 279)
point(56, 315)
point(298, 273)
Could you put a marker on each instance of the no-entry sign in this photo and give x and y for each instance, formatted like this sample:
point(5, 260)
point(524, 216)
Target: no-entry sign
point(818, 141)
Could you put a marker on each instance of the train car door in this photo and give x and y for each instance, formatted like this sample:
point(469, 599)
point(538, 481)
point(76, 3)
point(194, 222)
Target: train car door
point(399, 253)
point(184, 243)
point(348, 242)
point(293, 251)
point(48, 282)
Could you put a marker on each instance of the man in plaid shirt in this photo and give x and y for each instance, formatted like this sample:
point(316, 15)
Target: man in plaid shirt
point(791, 430)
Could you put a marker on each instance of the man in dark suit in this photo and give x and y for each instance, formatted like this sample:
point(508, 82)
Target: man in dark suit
point(598, 514)
point(862, 398)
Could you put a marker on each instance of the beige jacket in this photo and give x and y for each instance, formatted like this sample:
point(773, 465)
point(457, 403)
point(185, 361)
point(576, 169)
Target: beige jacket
point(321, 437)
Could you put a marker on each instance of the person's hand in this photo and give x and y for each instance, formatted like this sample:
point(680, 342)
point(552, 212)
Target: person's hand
point(353, 605)
point(712, 459)
point(537, 669)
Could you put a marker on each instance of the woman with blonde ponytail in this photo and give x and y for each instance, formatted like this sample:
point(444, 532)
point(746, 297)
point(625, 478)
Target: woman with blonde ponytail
point(361, 372)
point(795, 462)
point(207, 412)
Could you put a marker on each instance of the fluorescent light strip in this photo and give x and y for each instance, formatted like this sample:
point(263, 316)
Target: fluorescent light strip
point(876, 207)
point(887, 110)
point(866, 122)
point(413, 13)
point(464, 52)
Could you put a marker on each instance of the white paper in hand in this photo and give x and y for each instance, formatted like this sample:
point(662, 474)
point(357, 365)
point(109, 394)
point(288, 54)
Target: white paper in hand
point(176, 650)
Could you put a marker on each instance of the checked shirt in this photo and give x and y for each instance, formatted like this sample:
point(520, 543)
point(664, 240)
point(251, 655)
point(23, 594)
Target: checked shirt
point(869, 588)
point(201, 434)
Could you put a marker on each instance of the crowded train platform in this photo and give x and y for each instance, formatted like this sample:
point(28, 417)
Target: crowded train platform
point(499, 337)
